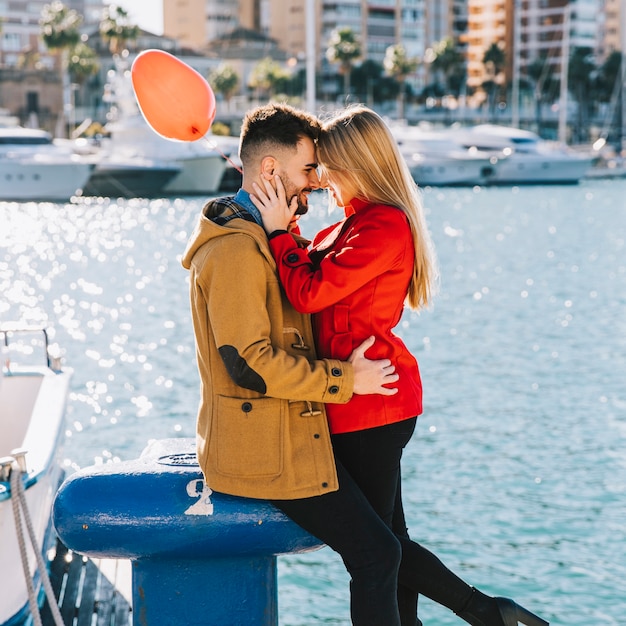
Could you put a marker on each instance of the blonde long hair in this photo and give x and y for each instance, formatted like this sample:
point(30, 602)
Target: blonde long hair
point(358, 145)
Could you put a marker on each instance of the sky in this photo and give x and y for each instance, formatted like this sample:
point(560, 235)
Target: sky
point(148, 14)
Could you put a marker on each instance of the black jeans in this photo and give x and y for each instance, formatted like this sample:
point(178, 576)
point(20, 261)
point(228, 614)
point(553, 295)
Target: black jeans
point(364, 522)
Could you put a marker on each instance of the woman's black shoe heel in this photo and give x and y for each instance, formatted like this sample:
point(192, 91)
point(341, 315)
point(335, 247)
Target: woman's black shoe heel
point(514, 614)
point(483, 610)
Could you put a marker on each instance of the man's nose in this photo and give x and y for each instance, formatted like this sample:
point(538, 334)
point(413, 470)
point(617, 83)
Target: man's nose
point(314, 179)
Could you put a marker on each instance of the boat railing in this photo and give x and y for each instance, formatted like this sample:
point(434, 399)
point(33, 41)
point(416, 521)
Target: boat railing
point(10, 329)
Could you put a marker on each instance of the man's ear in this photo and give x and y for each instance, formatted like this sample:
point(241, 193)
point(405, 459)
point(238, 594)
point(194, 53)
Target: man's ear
point(268, 167)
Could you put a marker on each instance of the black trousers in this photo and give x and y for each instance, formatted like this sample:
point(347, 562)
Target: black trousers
point(363, 521)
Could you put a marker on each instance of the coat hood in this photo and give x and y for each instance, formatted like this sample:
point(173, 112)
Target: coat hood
point(207, 228)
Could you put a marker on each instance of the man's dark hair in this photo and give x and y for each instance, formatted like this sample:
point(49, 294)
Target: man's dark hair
point(275, 124)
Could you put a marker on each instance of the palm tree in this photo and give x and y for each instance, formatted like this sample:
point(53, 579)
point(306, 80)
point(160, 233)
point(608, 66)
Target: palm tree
point(59, 31)
point(493, 60)
point(399, 66)
point(83, 63)
point(344, 49)
point(608, 86)
point(267, 75)
point(1, 26)
point(543, 84)
point(580, 78)
point(117, 29)
point(371, 83)
point(224, 80)
point(447, 60)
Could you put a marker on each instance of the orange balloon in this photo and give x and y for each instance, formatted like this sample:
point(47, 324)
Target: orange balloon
point(176, 101)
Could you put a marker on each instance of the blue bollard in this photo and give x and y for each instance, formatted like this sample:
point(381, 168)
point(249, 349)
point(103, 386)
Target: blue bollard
point(199, 558)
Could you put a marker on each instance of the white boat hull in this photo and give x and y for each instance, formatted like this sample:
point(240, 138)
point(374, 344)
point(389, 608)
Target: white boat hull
point(528, 169)
point(198, 175)
point(120, 176)
point(435, 158)
point(32, 413)
point(440, 170)
point(41, 179)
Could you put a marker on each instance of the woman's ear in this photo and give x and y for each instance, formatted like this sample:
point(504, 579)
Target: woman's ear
point(268, 167)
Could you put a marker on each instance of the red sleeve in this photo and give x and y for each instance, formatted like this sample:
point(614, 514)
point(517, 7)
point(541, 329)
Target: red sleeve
point(375, 241)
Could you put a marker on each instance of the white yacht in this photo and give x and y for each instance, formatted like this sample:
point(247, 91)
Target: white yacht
point(529, 159)
point(33, 167)
point(435, 158)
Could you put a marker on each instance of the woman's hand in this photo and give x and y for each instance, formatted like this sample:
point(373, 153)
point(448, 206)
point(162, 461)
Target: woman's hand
point(276, 213)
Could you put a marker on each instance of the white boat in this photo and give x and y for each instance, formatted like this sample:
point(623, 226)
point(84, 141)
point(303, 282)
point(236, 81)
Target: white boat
point(435, 158)
point(33, 167)
point(32, 413)
point(529, 158)
point(432, 169)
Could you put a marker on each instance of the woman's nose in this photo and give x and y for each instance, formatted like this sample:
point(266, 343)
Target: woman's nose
point(314, 180)
point(323, 178)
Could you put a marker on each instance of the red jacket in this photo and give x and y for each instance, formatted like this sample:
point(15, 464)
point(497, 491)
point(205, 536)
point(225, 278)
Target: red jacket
point(354, 280)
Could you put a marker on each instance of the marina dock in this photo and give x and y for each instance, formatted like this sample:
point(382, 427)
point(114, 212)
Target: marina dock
point(89, 592)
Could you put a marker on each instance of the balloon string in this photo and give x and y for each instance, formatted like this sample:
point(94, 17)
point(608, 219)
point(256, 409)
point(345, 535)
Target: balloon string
point(213, 145)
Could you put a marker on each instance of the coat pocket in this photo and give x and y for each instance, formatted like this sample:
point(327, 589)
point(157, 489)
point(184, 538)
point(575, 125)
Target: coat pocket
point(249, 436)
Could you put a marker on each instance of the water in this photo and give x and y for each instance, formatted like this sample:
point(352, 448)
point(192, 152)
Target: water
point(516, 476)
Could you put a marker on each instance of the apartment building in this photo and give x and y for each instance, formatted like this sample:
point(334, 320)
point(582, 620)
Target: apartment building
point(21, 30)
point(196, 23)
point(488, 22)
point(377, 23)
point(531, 30)
point(613, 28)
point(30, 84)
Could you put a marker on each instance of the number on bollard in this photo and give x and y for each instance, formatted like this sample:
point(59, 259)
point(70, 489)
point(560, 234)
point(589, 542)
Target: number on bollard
point(199, 489)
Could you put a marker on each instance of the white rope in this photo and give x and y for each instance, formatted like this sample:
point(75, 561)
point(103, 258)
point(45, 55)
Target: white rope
point(19, 500)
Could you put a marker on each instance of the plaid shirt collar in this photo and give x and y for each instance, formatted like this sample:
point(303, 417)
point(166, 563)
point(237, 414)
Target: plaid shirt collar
point(242, 198)
point(238, 206)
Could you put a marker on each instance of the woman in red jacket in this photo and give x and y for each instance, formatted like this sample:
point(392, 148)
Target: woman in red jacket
point(355, 280)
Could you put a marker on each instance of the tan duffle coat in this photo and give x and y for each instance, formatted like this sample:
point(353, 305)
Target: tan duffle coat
point(261, 429)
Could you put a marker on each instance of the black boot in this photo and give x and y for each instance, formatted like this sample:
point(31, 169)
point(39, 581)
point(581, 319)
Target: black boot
point(482, 610)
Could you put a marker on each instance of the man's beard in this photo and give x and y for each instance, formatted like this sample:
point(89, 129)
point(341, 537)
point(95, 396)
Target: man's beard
point(303, 206)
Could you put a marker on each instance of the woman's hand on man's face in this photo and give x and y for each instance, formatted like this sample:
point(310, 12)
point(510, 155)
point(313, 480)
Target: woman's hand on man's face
point(276, 212)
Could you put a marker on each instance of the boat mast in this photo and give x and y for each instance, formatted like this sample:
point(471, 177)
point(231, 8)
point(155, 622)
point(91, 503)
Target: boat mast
point(310, 55)
point(517, 23)
point(623, 79)
point(564, 71)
